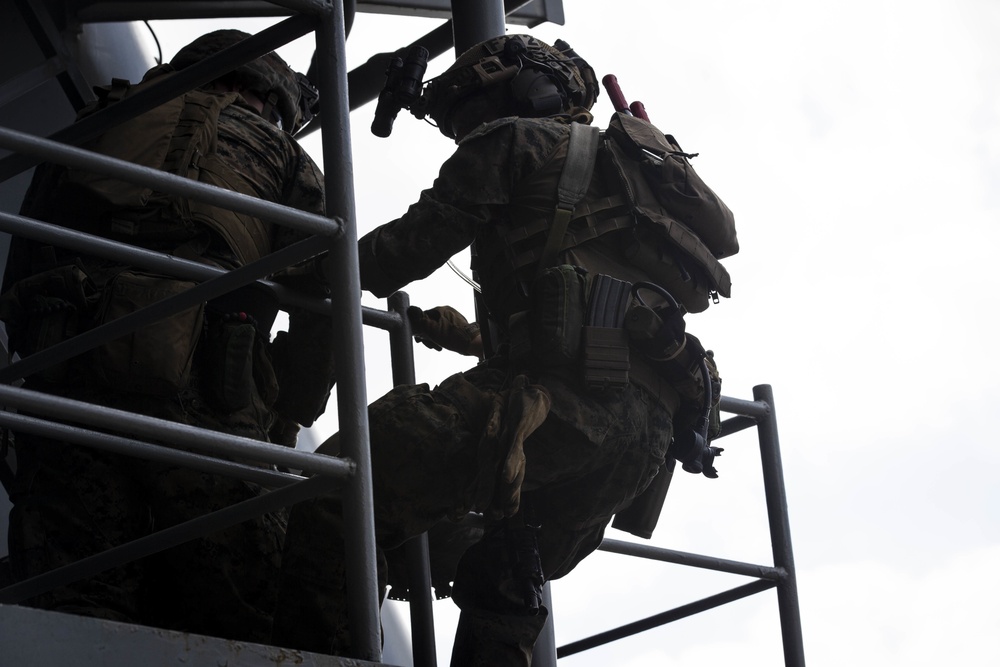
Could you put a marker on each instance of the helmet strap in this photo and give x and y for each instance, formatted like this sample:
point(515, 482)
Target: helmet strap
point(270, 112)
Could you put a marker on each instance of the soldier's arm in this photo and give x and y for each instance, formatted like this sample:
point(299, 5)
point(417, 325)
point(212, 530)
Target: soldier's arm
point(472, 188)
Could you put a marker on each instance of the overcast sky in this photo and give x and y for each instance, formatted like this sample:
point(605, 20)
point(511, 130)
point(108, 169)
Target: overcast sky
point(858, 144)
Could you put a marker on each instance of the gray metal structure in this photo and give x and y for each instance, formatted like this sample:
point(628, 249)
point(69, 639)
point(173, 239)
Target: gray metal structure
point(56, 40)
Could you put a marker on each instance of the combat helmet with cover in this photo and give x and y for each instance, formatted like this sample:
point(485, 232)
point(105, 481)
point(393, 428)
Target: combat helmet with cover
point(537, 79)
point(290, 99)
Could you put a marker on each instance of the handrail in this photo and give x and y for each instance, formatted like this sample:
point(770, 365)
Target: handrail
point(54, 151)
point(162, 430)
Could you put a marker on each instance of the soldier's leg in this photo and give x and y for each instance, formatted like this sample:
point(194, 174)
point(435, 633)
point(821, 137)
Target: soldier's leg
point(578, 484)
point(424, 468)
point(501, 617)
point(71, 502)
point(498, 584)
point(223, 584)
point(311, 613)
point(500, 596)
point(581, 470)
point(490, 639)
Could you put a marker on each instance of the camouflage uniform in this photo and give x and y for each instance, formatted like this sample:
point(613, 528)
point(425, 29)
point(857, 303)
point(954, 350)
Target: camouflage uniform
point(591, 455)
point(71, 501)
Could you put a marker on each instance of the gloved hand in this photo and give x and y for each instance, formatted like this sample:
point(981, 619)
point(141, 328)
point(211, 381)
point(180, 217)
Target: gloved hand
point(444, 327)
point(284, 432)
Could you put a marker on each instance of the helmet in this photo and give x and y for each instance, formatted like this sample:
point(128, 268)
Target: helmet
point(289, 98)
point(540, 80)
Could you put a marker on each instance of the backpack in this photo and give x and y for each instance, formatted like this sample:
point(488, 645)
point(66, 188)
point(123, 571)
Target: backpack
point(671, 204)
point(167, 137)
point(680, 229)
point(180, 138)
point(678, 190)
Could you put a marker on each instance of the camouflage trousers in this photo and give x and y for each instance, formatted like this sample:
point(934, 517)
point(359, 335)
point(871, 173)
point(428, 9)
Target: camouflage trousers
point(71, 502)
point(585, 462)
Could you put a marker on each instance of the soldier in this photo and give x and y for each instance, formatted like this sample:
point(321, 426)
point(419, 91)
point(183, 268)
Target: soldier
point(520, 438)
point(213, 366)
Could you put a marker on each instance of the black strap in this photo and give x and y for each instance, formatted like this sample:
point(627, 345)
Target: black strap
point(574, 180)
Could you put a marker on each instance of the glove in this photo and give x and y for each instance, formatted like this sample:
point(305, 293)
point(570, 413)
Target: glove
point(284, 432)
point(445, 328)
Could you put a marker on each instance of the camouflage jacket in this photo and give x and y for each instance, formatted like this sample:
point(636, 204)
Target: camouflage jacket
point(474, 191)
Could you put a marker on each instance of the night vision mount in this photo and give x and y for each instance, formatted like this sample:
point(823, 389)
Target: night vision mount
point(404, 81)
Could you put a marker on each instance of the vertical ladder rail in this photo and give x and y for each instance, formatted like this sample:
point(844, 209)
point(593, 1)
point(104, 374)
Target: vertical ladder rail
point(781, 534)
point(417, 549)
point(345, 288)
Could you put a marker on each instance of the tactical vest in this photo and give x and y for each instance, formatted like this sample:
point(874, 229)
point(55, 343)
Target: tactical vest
point(506, 255)
point(179, 137)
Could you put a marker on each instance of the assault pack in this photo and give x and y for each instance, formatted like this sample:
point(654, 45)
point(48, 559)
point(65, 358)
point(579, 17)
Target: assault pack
point(682, 229)
point(667, 196)
point(179, 137)
point(679, 230)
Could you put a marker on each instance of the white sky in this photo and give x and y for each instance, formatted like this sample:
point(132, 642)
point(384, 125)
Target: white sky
point(858, 144)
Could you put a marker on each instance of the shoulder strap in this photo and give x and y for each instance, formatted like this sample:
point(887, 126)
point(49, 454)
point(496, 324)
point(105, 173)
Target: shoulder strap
point(574, 180)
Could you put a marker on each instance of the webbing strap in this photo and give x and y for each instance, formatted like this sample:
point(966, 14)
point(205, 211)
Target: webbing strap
point(588, 213)
point(574, 180)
